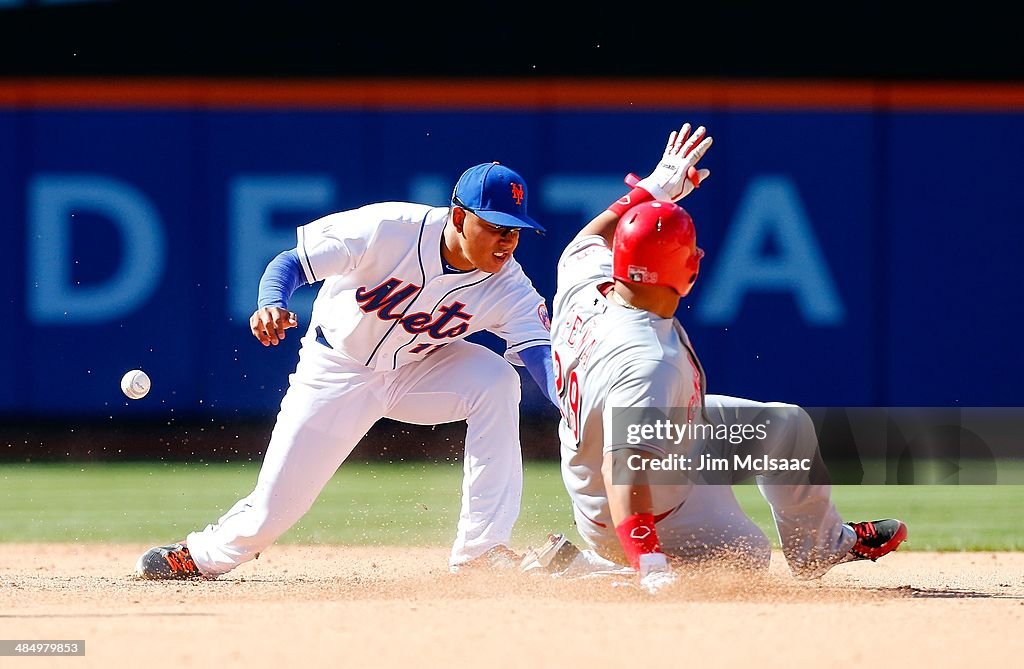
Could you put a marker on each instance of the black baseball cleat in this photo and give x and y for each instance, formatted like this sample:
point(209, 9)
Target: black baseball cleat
point(168, 563)
point(876, 538)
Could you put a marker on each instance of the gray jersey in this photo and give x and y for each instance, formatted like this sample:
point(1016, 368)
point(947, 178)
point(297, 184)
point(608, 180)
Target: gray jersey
point(607, 356)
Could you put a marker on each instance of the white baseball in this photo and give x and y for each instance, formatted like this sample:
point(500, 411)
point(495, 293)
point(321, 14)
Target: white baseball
point(135, 384)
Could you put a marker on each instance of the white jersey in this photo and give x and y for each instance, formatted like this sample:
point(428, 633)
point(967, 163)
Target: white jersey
point(607, 356)
point(395, 304)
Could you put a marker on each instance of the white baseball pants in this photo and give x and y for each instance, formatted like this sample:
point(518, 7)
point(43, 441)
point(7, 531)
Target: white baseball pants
point(332, 402)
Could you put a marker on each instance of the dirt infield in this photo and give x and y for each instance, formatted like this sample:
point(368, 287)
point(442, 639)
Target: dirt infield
point(361, 607)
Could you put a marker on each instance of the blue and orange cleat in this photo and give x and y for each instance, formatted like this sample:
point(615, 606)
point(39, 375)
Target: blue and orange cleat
point(168, 563)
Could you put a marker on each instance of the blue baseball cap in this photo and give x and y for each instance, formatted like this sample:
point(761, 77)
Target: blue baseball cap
point(496, 194)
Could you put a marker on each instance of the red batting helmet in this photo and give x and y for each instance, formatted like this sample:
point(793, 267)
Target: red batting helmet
point(656, 243)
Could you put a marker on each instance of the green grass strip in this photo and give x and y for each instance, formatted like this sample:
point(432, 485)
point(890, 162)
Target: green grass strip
point(417, 503)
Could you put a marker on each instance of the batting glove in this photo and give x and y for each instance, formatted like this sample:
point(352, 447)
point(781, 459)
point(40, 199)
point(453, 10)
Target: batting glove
point(655, 573)
point(676, 175)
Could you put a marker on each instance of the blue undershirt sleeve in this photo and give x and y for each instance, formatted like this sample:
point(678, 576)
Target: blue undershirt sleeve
point(281, 278)
point(537, 360)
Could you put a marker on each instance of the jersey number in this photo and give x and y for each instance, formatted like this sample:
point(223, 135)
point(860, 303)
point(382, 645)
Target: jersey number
point(570, 398)
point(427, 349)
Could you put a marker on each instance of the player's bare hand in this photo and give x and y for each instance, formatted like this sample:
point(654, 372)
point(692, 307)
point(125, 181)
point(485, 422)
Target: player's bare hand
point(268, 324)
point(677, 175)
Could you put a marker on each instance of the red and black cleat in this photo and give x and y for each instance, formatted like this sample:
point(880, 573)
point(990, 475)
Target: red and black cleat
point(876, 538)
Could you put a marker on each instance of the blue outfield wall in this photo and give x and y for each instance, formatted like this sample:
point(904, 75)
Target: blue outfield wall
point(867, 258)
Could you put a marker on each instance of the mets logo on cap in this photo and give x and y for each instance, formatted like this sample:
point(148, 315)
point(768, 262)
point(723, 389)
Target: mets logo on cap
point(495, 193)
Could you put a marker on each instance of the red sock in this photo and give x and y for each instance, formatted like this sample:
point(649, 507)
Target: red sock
point(638, 536)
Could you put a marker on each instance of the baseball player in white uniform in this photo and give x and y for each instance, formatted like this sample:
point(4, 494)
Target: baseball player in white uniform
point(616, 344)
point(403, 285)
